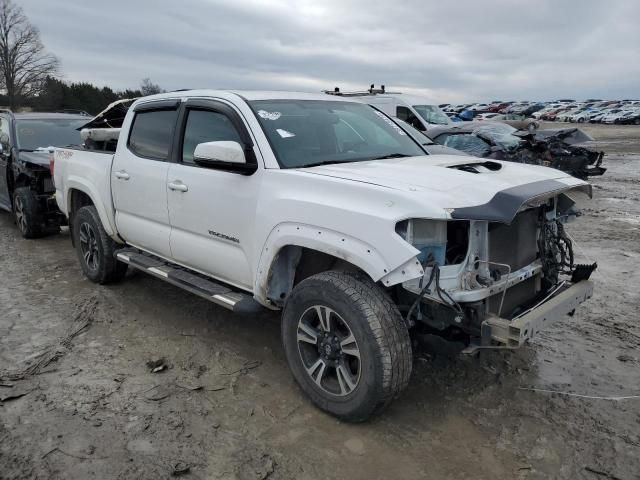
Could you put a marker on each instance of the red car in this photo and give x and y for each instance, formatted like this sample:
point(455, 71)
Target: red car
point(553, 113)
point(499, 106)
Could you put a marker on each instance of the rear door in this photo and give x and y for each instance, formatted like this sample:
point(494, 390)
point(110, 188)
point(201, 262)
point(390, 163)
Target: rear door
point(5, 155)
point(139, 177)
point(212, 210)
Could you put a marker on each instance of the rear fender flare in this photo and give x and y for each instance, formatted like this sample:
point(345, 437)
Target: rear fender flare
point(86, 188)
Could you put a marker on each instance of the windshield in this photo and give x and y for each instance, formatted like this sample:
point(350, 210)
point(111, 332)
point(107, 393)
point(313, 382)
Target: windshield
point(432, 114)
point(304, 133)
point(500, 133)
point(50, 132)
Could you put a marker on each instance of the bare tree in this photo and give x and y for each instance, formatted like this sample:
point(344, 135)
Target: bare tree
point(147, 87)
point(24, 63)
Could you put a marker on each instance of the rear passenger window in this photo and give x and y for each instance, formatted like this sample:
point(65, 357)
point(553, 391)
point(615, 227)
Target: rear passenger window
point(206, 126)
point(151, 133)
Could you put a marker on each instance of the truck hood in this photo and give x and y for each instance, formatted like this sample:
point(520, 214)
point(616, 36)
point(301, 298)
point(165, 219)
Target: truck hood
point(39, 157)
point(467, 187)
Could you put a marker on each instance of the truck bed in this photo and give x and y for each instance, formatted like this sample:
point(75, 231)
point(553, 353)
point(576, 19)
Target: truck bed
point(88, 171)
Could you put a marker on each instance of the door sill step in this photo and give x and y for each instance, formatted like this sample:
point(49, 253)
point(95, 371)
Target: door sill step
point(188, 280)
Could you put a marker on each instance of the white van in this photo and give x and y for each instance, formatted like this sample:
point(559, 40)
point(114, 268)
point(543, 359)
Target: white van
point(415, 110)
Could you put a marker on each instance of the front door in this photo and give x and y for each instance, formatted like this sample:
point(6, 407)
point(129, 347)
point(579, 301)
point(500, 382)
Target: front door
point(139, 178)
point(212, 211)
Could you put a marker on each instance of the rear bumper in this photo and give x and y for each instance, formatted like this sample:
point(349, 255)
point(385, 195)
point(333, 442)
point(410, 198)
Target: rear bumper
point(49, 211)
point(514, 333)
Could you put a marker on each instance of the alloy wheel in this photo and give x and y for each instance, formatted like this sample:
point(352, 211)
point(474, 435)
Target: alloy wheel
point(21, 218)
point(328, 350)
point(89, 246)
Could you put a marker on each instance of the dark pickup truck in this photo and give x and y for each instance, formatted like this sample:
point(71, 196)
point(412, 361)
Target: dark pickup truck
point(26, 185)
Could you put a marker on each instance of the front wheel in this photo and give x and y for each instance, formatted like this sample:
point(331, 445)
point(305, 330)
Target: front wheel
point(27, 214)
point(346, 344)
point(95, 248)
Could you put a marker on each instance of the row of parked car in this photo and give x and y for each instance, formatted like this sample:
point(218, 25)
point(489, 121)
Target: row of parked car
point(623, 112)
point(346, 218)
point(610, 112)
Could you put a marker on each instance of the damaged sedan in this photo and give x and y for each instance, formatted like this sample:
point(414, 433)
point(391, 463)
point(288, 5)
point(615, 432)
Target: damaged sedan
point(552, 148)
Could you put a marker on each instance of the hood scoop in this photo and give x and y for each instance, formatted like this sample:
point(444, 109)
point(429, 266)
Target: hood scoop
point(478, 167)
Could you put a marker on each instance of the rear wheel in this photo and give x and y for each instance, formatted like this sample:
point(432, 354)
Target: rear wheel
point(346, 344)
point(95, 248)
point(26, 212)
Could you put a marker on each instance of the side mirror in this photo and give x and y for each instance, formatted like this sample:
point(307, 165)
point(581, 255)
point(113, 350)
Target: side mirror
point(226, 152)
point(223, 155)
point(1, 149)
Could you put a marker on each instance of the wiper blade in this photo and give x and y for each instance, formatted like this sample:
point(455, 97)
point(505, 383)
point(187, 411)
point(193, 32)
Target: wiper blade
point(353, 160)
point(324, 162)
point(391, 155)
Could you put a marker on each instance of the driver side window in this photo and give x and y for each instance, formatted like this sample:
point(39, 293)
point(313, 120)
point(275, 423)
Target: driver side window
point(403, 113)
point(206, 126)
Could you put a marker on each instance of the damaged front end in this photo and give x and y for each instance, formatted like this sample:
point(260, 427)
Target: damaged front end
point(498, 281)
point(559, 149)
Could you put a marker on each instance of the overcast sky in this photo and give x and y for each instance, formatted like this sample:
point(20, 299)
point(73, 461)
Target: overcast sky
point(449, 51)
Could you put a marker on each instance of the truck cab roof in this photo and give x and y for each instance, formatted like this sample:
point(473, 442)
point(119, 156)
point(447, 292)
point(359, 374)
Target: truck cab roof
point(245, 94)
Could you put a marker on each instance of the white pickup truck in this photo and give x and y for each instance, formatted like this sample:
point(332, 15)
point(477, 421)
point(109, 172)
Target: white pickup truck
point(331, 211)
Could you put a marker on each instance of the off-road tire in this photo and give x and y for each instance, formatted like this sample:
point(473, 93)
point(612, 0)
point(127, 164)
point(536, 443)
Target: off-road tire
point(26, 213)
point(107, 268)
point(379, 329)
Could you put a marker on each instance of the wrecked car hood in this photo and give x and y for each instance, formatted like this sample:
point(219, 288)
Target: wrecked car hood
point(459, 184)
point(112, 116)
point(556, 148)
point(39, 157)
point(572, 136)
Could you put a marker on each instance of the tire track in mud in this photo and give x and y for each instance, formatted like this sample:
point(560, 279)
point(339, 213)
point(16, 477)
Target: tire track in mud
point(82, 320)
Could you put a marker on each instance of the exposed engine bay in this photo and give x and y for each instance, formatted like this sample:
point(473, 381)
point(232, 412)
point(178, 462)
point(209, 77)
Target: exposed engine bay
point(487, 271)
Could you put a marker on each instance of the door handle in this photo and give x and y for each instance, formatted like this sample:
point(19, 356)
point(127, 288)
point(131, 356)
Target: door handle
point(177, 185)
point(122, 175)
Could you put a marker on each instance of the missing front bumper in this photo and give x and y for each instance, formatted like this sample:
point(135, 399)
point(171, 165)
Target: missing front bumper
point(514, 333)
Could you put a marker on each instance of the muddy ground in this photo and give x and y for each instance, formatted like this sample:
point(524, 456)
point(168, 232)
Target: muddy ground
point(74, 354)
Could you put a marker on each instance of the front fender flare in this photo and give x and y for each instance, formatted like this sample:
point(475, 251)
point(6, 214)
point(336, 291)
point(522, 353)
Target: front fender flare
point(346, 247)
